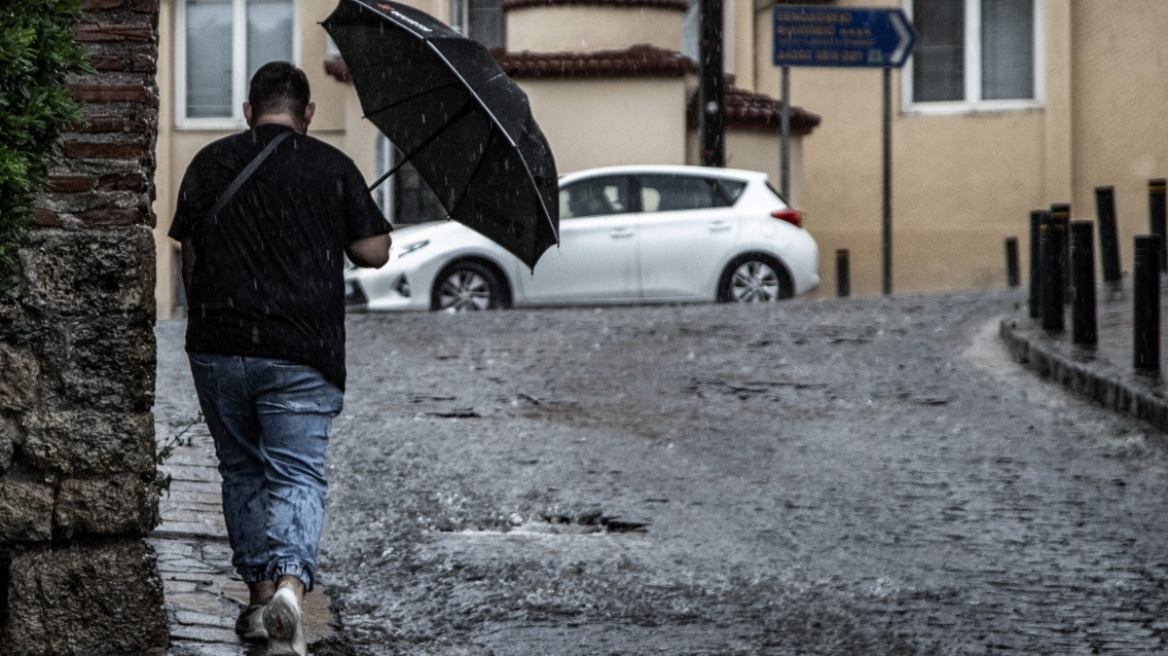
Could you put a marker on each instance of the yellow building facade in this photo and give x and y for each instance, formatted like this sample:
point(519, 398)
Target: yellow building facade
point(1006, 106)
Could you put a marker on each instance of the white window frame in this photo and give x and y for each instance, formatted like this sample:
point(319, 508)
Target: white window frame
point(973, 102)
point(239, 79)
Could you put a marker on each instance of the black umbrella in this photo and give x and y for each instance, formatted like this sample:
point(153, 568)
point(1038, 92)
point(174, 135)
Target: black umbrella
point(465, 126)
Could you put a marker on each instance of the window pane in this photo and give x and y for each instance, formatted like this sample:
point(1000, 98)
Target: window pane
point(208, 41)
point(485, 22)
point(404, 197)
point(595, 197)
point(666, 193)
point(269, 33)
point(731, 191)
point(939, 56)
point(1007, 47)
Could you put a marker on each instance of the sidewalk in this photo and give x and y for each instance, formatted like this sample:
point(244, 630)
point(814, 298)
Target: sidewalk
point(1104, 373)
point(203, 593)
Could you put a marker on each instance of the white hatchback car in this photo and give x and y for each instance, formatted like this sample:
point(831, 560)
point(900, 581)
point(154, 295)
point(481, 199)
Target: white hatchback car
point(628, 234)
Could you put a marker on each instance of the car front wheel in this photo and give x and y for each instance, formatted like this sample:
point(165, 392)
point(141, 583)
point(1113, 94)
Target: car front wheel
point(754, 278)
point(466, 287)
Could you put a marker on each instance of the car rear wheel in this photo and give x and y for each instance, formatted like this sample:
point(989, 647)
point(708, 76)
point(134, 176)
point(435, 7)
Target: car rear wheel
point(754, 278)
point(467, 286)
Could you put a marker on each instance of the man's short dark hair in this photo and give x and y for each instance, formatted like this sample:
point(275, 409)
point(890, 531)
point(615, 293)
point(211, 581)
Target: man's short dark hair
point(278, 87)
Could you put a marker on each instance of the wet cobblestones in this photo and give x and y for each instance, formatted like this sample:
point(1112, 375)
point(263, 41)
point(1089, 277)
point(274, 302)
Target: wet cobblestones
point(869, 476)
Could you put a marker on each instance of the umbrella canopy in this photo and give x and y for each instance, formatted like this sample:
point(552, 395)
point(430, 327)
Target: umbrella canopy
point(465, 126)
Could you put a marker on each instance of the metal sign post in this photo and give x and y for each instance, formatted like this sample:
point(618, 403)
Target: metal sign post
point(846, 37)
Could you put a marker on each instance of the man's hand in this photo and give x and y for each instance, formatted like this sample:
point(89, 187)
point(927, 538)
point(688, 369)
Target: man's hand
point(372, 252)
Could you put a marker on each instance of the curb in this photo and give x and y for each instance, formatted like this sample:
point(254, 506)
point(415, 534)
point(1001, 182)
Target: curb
point(1080, 370)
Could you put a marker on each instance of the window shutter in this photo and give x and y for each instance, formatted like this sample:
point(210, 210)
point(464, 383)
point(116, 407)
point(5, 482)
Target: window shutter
point(939, 56)
point(209, 67)
point(269, 33)
point(1007, 60)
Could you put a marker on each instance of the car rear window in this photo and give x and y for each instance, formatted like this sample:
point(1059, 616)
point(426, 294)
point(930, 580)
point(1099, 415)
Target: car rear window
point(775, 192)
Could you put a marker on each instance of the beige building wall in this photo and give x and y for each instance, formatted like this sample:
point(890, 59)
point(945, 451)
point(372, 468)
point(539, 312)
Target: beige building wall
point(961, 183)
point(591, 123)
point(166, 281)
point(1120, 118)
point(578, 28)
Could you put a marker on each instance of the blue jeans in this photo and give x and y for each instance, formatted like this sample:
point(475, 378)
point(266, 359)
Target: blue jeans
point(270, 420)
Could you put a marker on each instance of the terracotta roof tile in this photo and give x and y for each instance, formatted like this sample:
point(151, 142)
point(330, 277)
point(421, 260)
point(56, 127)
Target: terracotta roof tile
point(755, 111)
point(675, 5)
point(637, 61)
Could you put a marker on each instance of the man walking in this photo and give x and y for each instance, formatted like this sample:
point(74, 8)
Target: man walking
point(265, 218)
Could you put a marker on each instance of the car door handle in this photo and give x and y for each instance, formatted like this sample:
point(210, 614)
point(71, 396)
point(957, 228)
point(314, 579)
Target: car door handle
point(718, 226)
point(620, 233)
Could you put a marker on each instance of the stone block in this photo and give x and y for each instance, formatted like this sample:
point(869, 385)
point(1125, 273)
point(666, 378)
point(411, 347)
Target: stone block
point(87, 442)
point(19, 371)
point(10, 436)
point(120, 506)
point(92, 599)
point(97, 272)
point(26, 509)
point(105, 364)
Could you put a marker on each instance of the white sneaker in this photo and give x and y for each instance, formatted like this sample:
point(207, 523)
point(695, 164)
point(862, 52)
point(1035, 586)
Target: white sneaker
point(284, 625)
point(250, 624)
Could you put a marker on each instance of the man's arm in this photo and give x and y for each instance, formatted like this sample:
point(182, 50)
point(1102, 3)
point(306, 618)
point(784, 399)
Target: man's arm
point(188, 265)
point(372, 252)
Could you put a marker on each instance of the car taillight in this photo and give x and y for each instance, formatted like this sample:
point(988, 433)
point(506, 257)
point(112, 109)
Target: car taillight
point(794, 217)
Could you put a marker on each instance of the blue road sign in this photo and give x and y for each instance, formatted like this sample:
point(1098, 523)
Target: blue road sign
point(845, 36)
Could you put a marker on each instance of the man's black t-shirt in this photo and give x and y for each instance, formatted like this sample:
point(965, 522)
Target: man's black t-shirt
point(268, 275)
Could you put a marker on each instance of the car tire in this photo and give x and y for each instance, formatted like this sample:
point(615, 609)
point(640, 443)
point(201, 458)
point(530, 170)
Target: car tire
point(467, 286)
point(754, 278)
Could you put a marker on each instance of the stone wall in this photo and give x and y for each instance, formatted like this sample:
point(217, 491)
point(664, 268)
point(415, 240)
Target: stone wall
point(77, 364)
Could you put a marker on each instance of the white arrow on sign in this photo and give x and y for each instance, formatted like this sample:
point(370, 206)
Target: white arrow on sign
point(905, 35)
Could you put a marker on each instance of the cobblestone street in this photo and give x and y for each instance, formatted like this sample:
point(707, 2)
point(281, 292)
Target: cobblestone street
point(870, 476)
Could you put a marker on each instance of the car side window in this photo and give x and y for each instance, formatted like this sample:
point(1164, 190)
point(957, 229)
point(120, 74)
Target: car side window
point(595, 197)
point(668, 193)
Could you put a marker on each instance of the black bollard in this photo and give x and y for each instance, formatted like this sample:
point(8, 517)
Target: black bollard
point(843, 286)
point(1053, 240)
point(1012, 261)
point(1036, 219)
point(1108, 239)
point(1146, 299)
point(1084, 328)
point(1156, 214)
point(1062, 212)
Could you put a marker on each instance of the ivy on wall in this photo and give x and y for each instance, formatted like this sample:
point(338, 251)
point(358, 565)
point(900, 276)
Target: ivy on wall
point(37, 51)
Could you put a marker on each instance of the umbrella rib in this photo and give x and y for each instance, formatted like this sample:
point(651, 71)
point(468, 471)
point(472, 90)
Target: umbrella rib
point(495, 121)
point(409, 98)
point(458, 116)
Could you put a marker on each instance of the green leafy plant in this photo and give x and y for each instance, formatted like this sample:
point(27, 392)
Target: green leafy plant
point(37, 52)
point(166, 450)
